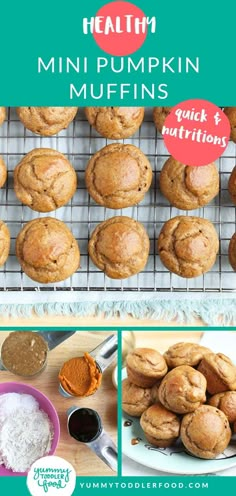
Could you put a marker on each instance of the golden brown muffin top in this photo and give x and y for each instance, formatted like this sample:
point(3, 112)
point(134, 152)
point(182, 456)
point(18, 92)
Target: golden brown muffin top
point(160, 423)
point(188, 187)
point(232, 251)
point(232, 185)
point(146, 361)
point(119, 246)
point(118, 176)
point(230, 112)
point(115, 122)
point(205, 432)
point(3, 172)
point(44, 180)
point(226, 402)
point(47, 250)
point(4, 242)
point(159, 116)
point(188, 245)
point(220, 370)
point(46, 121)
point(183, 389)
point(184, 354)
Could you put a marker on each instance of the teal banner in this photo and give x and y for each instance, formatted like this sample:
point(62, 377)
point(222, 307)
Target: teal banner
point(78, 53)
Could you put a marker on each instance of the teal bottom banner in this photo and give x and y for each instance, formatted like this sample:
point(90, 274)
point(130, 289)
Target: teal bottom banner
point(97, 486)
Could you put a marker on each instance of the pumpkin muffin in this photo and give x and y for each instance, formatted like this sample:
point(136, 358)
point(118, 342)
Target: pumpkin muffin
point(185, 354)
point(47, 250)
point(232, 185)
point(188, 187)
point(188, 246)
point(232, 251)
point(219, 372)
point(226, 402)
point(3, 114)
point(145, 366)
point(230, 112)
point(118, 176)
point(120, 247)
point(206, 432)
point(183, 389)
point(46, 121)
point(4, 243)
point(44, 180)
point(135, 400)
point(159, 116)
point(115, 122)
point(161, 427)
point(3, 172)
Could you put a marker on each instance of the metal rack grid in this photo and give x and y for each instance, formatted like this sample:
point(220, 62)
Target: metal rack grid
point(79, 142)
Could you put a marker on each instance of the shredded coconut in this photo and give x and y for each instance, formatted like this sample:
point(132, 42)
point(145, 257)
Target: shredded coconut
point(25, 431)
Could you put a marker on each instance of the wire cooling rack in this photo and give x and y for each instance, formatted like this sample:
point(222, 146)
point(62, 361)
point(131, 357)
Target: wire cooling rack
point(79, 142)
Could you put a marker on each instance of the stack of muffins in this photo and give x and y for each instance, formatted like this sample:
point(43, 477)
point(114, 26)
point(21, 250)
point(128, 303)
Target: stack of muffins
point(117, 176)
point(189, 392)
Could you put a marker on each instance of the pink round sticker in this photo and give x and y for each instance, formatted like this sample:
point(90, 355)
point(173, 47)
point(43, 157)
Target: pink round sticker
point(196, 132)
point(121, 28)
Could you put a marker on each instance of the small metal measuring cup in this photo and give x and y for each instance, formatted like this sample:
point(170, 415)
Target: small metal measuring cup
point(103, 355)
point(53, 339)
point(85, 425)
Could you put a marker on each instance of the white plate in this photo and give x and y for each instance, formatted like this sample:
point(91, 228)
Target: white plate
point(175, 459)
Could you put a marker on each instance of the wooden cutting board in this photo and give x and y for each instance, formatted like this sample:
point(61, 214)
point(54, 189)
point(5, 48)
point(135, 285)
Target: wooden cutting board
point(104, 400)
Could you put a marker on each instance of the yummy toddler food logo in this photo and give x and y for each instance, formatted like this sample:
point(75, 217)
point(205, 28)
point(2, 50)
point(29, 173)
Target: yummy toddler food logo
point(51, 475)
point(119, 28)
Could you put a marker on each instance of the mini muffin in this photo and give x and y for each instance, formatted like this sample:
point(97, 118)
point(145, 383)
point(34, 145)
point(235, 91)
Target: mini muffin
point(188, 187)
point(115, 122)
point(47, 250)
point(4, 243)
point(230, 112)
point(118, 176)
point(232, 251)
point(119, 247)
point(184, 354)
point(44, 180)
point(232, 185)
point(159, 116)
point(219, 372)
point(145, 366)
point(3, 172)
point(3, 114)
point(160, 426)
point(183, 389)
point(206, 432)
point(135, 400)
point(226, 402)
point(188, 246)
point(46, 121)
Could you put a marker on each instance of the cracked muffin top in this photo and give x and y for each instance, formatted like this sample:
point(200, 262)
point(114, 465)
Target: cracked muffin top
point(184, 354)
point(4, 242)
point(230, 112)
point(2, 115)
point(220, 372)
point(44, 180)
point(188, 245)
point(159, 116)
point(145, 366)
point(188, 187)
point(47, 250)
point(161, 427)
point(206, 432)
point(46, 121)
point(3, 172)
point(115, 122)
point(118, 176)
point(183, 389)
point(135, 400)
point(120, 247)
point(226, 402)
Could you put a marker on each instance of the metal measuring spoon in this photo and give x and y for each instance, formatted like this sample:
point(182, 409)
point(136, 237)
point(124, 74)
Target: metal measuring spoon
point(103, 355)
point(85, 425)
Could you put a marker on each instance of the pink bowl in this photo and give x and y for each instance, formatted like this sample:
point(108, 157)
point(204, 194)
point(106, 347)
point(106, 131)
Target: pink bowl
point(44, 404)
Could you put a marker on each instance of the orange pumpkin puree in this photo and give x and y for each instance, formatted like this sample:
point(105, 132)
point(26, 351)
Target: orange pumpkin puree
point(80, 376)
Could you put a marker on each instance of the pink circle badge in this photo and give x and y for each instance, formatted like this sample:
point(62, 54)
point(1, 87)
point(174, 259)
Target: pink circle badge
point(196, 132)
